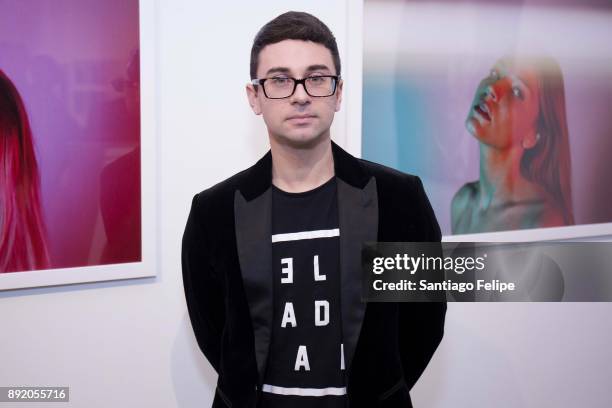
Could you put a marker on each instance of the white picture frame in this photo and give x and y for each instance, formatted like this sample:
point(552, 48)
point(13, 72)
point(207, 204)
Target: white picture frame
point(148, 265)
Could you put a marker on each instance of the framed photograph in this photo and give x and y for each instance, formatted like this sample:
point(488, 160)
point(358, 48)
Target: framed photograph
point(77, 142)
point(501, 107)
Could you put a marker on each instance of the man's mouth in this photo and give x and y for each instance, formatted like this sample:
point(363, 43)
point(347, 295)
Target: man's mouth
point(483, 110)
point(301, 117)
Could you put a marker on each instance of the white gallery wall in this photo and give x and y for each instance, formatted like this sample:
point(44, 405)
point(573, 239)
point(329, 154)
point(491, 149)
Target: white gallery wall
point(130, 343)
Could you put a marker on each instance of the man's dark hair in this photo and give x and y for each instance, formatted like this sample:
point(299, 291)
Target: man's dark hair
point(294, 25)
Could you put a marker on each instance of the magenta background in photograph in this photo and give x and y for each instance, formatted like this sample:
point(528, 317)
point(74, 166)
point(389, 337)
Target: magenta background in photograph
point(76, 65)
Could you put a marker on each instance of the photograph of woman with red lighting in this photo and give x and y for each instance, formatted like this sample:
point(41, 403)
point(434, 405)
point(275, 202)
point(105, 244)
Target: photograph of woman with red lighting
point(23, 244)
point(518, 117)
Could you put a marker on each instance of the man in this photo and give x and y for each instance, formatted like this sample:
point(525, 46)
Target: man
point(272, 256)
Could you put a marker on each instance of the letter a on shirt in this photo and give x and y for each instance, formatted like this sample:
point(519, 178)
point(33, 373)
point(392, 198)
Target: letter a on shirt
point(289, 315)
point(302, 359)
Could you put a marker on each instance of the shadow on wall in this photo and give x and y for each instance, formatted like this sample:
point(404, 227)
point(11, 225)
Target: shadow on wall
point(193, 378)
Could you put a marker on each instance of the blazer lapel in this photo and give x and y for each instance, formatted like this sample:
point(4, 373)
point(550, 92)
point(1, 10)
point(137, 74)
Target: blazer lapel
point(358, 216)
point(253, 223)
point(253, 239)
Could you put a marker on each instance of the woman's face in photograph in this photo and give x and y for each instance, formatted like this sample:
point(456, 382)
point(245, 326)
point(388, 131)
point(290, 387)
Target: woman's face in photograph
point(506, 105)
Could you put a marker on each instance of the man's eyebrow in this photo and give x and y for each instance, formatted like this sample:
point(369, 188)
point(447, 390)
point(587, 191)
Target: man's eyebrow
point(285, 70)
point(318, 67)
point(274, 70)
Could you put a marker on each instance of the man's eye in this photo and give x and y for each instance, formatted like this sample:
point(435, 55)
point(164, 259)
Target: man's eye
point(280, 81)
point(316, 79)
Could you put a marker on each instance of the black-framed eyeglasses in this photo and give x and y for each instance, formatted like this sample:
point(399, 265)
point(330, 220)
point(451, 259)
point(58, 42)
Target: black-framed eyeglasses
point(281, 87)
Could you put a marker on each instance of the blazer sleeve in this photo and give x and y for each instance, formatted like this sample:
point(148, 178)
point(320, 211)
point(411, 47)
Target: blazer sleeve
point(203, 289)
point(421, 324)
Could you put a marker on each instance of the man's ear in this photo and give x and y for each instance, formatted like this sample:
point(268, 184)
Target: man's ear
point(339, 94)
point(251, 91)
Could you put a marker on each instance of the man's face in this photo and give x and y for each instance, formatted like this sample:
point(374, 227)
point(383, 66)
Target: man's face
point(299, 120)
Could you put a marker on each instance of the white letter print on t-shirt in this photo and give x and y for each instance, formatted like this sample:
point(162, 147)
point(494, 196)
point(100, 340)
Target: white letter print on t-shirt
point(287, 270)
point(315, 264)
point(302, 359)
point(318, 320)
point(289, 315)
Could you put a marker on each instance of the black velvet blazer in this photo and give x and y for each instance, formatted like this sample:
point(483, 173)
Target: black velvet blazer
point(227, 276)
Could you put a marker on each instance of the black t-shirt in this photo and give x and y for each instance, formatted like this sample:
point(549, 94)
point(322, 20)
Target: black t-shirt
point(305, 367)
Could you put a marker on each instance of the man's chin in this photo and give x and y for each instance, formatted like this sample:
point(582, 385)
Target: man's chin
point(300, 141)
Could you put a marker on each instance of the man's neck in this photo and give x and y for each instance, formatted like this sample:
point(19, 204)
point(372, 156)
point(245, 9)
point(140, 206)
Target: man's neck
point(297, 170)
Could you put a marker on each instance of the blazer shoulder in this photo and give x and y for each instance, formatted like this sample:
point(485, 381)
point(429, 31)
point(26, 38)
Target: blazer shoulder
point(389, 175)
point(402, 193)
point(211, 200)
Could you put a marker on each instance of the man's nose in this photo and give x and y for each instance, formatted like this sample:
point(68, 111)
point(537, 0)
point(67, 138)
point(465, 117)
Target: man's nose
point(300, 95)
